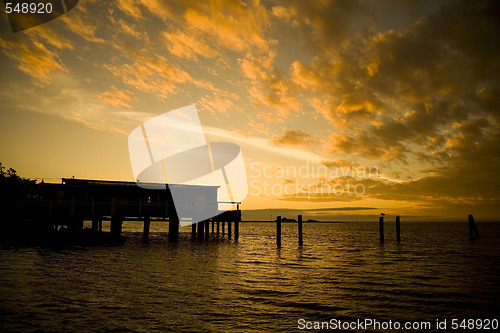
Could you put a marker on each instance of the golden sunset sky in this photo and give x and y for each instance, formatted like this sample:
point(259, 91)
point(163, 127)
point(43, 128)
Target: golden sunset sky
point(411, 88)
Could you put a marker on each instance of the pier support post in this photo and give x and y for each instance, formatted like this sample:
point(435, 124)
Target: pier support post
point(207, 229)
point(398, 229)
point(238, 211)
point(236, 230)
point(116, 226)
point(300, 230)
point(228, 229)
point(278, 232)
point(173, 224)
point(473, 232)
point(147, 220)
point(201, 227)
point(223, 228)
point(95, 223)
point(193, 231)
point(147, 223)
point(95, 219)
point(78, 224)
point(51, 207)
point(72, 207)
point(381, 228)
point(75, 222)
point(218, 228)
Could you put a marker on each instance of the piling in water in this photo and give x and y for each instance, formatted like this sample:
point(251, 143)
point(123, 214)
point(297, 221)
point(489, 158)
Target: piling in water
point(193, 231)
point(207, 229)
point(116, 226)
point(223, 228)
point(145, 234)
point(72, 207)
point(278, 231)
point(473, 232)
point(236, 230)
point(228, 229)
point(381, 228)
point(398, 229)
point(218, 228)
point(173, 224)
point(300, 230)
point(95, 223)
point(95, 219)
point(201, 227)
point(147, 222)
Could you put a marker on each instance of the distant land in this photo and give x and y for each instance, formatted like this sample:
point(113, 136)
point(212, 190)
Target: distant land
point(341, 214)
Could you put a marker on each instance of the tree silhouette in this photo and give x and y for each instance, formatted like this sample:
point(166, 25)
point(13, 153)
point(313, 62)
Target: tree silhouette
point(14, 187)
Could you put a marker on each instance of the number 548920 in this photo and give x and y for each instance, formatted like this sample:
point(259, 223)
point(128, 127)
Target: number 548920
point(25, 8)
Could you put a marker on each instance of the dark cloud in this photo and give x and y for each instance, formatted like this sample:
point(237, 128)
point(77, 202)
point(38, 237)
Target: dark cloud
point(294, 138)
point(424, 95)
point(325, 25)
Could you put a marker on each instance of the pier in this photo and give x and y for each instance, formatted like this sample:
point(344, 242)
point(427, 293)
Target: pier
point(64, 206)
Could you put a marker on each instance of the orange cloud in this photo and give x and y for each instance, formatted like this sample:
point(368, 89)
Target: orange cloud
point(78, 22)
point(51, 36)
point(130, 7)
point(186, 46)
point(217, 105)
point(118, 98)
point(294, 138)
point(231, 25)
point(33, 57)
point(268, 87)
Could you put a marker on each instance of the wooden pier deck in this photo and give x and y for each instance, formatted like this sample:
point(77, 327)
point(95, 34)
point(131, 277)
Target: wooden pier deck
point(64, 207)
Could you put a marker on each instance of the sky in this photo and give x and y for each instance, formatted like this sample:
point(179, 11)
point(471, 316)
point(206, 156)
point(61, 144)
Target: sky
point(342, 109)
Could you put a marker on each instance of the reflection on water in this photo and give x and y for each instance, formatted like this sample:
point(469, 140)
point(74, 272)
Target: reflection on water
point(341, 272)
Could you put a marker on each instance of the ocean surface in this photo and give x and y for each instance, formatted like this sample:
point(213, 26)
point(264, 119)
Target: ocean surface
point(342, 272)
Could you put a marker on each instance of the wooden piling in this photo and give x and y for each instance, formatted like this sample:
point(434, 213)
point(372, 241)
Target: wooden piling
point(95, 223)
point(381, 228)
point(207, 229)
point(95, 219)
point(145, 233)
point(51, 206)
point(300, 230)
point(398, 229)
point(213, 226)
point(116, 226)
point(72, 207)
point(218, 228)
point(201, 227)
point(113, 206)
point(473, 232)
point(193, 231)
point(228, 229)
point(236, 230)
point(75, 221)
point(278, 231)
point(78, 224)
point(173, 224)
point(223, 227)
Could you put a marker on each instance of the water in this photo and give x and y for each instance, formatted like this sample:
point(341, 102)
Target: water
point(342, 272)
